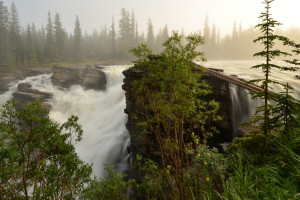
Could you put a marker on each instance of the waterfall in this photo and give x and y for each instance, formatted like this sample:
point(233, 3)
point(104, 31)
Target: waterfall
point(101, 115)
point(243, 106)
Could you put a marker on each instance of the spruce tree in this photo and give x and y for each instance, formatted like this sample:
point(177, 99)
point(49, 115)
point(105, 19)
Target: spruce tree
point(31, 56)
point(296, 51)
point(150, 35)
point(268, 39)
point(78, 55)
point(50, 45)
point(124, 34)
point(6, 58)
point(60, 39)
point(132, 30)
point(14, 36)
point(113, 35)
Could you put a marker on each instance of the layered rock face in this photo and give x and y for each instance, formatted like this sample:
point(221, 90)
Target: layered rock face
point(25, 94)
point(90, 77)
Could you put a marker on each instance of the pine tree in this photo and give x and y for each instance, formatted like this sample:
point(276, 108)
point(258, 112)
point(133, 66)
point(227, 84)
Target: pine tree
point(150, 35)
point(50, 53)
point(6, 58)
point(124, 34)
point(132, 30)
point(206, 35)
point(285, 110)
point(60, 39)
point(78, 55)
point(14, 34)
point(296, 51)
point(31, 56)
point(269, 53)
point(113, 35)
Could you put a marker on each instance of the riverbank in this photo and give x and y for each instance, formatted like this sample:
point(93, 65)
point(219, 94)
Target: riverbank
point(6, 77)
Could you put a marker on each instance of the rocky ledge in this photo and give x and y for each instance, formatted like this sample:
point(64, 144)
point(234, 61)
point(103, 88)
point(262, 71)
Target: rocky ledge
point(90, 77)
point(25, 94)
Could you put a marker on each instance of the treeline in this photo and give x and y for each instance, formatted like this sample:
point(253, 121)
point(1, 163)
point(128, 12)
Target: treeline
point(31, 46)
point(239, 44)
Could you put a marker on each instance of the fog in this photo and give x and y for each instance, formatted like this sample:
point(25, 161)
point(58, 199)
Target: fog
point(178, 14)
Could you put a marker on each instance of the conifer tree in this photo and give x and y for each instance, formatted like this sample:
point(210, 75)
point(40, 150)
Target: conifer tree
point(60, 39)
point(50, 45)
point(14, 34)
point(150, 35)
point(78, 55)
point(5, 50)
point(268, 39)
point(31, 56)
point(296, 51)
point(124, 34)
point(132, 29)
point(113, 35)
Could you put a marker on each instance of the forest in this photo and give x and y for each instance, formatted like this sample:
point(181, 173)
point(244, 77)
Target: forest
point(32, 46)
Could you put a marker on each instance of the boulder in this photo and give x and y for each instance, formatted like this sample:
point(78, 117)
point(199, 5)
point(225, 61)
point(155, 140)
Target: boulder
point(25, 94)
point(90, 77)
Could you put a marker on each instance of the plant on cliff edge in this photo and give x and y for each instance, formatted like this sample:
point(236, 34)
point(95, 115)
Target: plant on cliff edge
point(170, 98)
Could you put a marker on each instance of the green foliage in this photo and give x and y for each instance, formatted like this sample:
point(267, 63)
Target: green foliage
point(37, 156)
point(115, 187)
point(276, 176)
point(273, 118)
point(170, 98)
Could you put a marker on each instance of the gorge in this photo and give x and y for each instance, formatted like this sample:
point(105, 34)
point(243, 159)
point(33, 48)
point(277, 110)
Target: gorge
point(94, 93)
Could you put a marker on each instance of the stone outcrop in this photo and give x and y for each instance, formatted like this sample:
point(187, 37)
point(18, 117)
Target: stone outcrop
point(19, 74)
point(90, 77)
point(25, 94)
point(221, 92)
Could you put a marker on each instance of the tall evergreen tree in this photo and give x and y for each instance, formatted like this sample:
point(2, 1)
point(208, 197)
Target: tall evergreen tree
point(6, 58)
point(14, 33)
point(268, 39)
point(150, 35)
point(206, 35)
point(132, 30)
point(124, 34)
point(78, 55)
point(113, 35)
point(60, 39)
point(50, 45)
point(31, 56)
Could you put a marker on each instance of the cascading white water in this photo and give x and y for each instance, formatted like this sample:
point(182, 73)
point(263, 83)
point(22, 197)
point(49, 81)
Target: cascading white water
point(101, 114)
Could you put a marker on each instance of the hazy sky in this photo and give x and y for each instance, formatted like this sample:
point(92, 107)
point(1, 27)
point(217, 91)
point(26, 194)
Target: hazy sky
point(178, 14)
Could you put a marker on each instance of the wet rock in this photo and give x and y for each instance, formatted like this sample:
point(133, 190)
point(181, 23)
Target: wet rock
point(25, 94)
point(221, 92)
point(90, 77)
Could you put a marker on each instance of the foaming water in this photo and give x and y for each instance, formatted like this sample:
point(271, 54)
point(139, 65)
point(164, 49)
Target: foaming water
point(38, 82)
point(101, 115)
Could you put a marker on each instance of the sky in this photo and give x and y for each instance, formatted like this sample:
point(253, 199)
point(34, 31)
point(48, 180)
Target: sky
point(177, 14)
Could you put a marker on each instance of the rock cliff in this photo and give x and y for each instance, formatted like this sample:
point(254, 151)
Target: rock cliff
point(221, 92)
point(25, 94)
point(90, 77)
